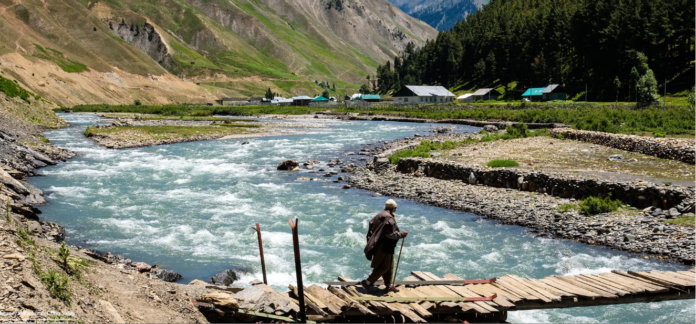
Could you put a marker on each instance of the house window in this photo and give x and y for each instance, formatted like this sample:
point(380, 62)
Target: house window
point(405, 99)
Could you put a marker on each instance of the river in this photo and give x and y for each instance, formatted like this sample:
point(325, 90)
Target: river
point(189, 207)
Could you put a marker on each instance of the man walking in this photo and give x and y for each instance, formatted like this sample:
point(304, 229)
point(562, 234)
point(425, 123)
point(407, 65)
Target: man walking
point(382, 237)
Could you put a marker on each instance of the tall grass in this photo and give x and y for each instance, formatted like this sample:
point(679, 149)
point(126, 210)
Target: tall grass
point(672, 120)
point(596, 205)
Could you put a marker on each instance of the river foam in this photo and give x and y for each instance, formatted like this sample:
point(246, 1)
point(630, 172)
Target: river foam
point(189, 207)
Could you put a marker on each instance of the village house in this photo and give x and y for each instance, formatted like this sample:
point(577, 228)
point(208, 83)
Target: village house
point(486, 94)
point(369, 98)
point(550, 93)
point(553, 92)
point(423, 95)
point(301, 100)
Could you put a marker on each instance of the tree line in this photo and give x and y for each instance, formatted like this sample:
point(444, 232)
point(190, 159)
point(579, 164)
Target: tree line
point(620, 48)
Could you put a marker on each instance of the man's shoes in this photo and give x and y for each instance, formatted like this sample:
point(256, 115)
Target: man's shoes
point(393, 289)
point(365, 286)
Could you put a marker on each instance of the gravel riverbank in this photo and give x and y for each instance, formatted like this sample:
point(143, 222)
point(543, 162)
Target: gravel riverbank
point(625, 230)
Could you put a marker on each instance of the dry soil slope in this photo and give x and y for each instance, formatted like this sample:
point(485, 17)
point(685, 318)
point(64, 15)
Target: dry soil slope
point(60, 50)
point(115, 51)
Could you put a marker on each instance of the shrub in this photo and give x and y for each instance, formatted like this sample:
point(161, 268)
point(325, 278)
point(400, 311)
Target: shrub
point(137, 102)
point(560, 136)
point(566, 208)
point(658, 134)
point(596, 205)
point(517, 130)
point(57, 284)
point(502, 163)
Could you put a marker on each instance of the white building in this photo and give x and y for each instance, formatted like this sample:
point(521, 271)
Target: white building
point(423, 95)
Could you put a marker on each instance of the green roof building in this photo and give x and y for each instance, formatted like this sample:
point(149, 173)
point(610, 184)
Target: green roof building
point(534, 94)
point(320, 98)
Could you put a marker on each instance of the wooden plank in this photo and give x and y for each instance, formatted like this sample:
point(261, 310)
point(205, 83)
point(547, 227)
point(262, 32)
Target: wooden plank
point(420, 310)
point(466, 292)
point(484, 307)
point(601, 286)
point(569, 288)
point(575, 283)
point(333, 303)
point(654, 278)
point(686, 281)
point(668, 278)
point(509, 292)
point(551, 297)
point(522, 287)
point(483, 290)
point(350, 303)
point(408, 313)
point(550, 289)
point(687, 273)
point(501, 300)
point(506, 283)
point(636, 282)
point(603, 281)
point(687, 277)
point(308, 302)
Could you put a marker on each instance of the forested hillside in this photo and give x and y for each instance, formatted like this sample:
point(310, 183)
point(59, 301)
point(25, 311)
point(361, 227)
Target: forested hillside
point(531, 43)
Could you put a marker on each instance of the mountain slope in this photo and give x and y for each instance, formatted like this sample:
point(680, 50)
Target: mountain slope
point(441, 14)
point(230, 47)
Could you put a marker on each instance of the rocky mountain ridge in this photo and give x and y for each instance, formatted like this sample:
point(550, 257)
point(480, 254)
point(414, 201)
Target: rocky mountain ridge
point(116, 51)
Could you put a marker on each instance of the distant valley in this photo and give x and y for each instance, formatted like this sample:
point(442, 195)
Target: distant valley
point(441, 14)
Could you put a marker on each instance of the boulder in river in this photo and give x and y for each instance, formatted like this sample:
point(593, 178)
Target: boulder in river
point(227, 277)
point(289, 165)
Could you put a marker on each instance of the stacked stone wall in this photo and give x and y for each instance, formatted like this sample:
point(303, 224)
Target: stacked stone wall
point(637, 194)
point(666, 148)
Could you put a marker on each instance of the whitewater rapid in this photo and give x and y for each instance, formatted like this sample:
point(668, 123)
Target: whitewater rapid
point(189, 207)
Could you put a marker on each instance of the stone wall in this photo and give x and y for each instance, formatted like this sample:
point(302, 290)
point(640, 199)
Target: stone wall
point(636, 194)
point(666, 148)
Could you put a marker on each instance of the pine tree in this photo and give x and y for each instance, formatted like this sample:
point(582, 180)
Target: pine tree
point(269, 94)
point(617, 86)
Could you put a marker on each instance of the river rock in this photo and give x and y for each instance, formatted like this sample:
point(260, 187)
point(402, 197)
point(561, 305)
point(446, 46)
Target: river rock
point(227, 277)
point(490, 128)
point(165, 275)
point(615, 158)
point(289, 165)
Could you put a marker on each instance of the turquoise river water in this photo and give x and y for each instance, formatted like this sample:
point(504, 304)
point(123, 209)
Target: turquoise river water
point(189, 207)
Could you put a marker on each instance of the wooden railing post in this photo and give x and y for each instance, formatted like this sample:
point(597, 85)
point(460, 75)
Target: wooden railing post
point(302, 316)
point(263, 261)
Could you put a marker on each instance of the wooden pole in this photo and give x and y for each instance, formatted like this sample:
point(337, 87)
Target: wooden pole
point(398, 260)
point(302, 315)
point(263, 262)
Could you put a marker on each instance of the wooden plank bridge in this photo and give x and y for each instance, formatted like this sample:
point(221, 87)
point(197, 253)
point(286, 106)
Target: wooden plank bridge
point(425, 297)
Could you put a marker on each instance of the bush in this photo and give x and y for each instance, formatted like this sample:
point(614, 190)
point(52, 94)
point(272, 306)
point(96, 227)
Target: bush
point(566, 208)
point(596, 205)
point(57, 284)
point(137, 102)
point(503, 163)
point(560, 136)
point(658, 134)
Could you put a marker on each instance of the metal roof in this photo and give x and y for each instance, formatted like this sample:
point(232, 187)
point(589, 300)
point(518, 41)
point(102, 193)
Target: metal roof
point(533, 92)
point(370, 97)
point(320, 98)
point(466, 95)
point(550, 88)
point(483, 91)
point(302, 98)
point(427, 91)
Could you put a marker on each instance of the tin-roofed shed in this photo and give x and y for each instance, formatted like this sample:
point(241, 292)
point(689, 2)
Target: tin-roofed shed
point(553, 92)
point(534, 94)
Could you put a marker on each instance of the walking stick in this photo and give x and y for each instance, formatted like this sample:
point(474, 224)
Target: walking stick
point(397, 261)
